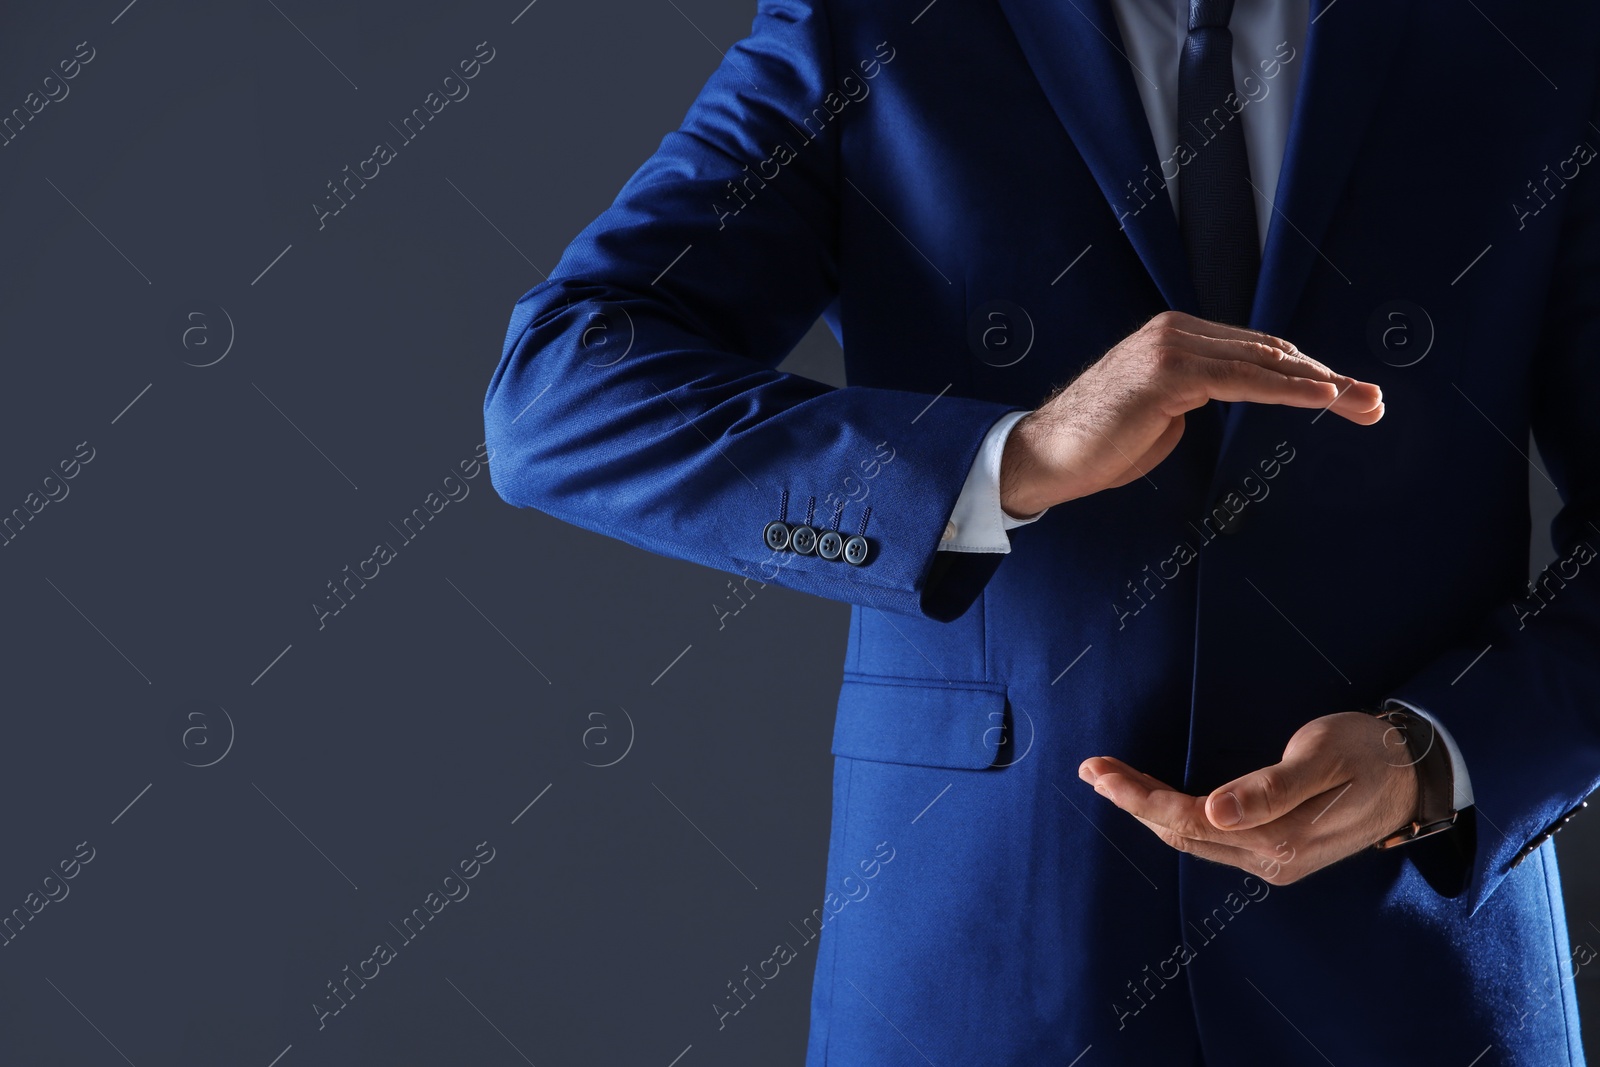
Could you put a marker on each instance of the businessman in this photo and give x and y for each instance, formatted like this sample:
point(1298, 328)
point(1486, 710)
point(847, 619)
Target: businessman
point(1179, 488)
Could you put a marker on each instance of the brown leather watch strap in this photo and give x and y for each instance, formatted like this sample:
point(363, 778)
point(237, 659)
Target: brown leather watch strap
point(1412, 741)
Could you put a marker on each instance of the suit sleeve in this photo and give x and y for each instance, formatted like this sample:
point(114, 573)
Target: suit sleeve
point(636, 393)
point(1526, 712)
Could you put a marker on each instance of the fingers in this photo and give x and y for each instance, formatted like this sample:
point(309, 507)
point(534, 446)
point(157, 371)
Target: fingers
point(1360, 407)
point(1359, 401)
point(1095, 766)
point(1250, 802)
point(1272, 792)
point(1148, 799)
point(1182, 823)
point(1232, 855)
point(1263, 351)
point(1236, 380)
point(1184, 323)
point(1354, 396)
point(1194, 324)
point(1181, 814)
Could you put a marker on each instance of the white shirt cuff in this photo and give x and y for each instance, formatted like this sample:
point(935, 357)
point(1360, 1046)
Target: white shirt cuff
point(1463, 782)
point(979, 523)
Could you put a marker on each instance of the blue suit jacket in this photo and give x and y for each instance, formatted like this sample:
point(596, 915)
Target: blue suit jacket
point(923, 175)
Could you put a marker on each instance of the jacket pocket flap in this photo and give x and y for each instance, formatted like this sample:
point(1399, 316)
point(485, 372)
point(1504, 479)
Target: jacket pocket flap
point(931, 724)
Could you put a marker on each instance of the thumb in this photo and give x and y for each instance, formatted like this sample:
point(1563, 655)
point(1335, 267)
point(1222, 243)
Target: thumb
point(1272, 792)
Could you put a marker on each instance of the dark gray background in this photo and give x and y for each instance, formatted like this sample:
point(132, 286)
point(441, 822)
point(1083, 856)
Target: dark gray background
point(163, 608)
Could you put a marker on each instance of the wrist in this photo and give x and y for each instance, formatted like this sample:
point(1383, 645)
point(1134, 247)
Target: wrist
point(1426, 768)
point(1020, 493)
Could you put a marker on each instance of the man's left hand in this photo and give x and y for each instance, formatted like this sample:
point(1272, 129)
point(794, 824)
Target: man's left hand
point(1345, 782)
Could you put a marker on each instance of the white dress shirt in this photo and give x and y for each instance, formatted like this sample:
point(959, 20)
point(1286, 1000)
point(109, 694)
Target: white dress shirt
point(1269, 39)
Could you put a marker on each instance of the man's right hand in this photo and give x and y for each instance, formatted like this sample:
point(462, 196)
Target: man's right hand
point(1124, 413)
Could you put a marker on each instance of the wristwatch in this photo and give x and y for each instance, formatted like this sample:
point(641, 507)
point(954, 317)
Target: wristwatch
point(1423, 750)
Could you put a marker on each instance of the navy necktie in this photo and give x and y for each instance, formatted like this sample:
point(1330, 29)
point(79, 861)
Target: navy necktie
point(1216, 208)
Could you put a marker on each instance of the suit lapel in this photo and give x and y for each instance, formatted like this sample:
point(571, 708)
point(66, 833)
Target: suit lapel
point(1076, 52)
point(1346, 56)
